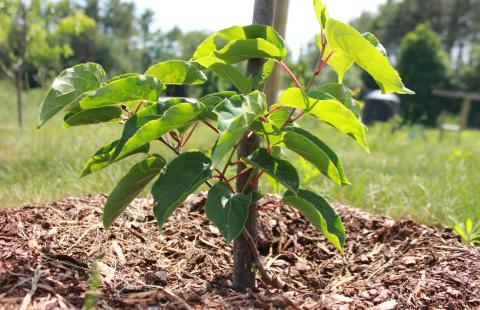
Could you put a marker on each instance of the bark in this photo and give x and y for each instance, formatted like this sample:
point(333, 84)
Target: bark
point(243, 260)
point(274, 83)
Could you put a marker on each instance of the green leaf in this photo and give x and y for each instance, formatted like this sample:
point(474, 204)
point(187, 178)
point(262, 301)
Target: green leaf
point(319, 212)
point(375, 42)
point(265, 71)
point(77, 117)
point(120, 77)
point(235, 44)
point(177, 72)
point(222, 38)
point(342, 94)
point(316, 152)
point(339, 61)
point(328, 109)
point(143, 116)
point(321, 12)
point(212, 100)
point(227, 72)
point(228, 211)
point(130, 186)
point(69, 87)
point(278, 117)
point(175, 117)
point(240, 50)
point(181, 177)
point(235, 115)
point(130, 88)
point(277, 168)
point(344, 38)
point(102, 158)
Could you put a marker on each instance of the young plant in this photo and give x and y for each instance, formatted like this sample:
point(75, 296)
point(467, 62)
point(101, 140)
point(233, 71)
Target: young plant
point(134, 100)
point(469, 232)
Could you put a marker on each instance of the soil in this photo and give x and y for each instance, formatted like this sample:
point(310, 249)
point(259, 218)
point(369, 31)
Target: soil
point(47, 253)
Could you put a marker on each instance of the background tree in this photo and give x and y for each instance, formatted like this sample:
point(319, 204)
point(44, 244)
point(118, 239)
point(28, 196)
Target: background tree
point(423, 66)
point(27, 39)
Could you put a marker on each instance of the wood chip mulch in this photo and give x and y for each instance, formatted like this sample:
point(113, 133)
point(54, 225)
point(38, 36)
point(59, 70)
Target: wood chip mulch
point(46, 254)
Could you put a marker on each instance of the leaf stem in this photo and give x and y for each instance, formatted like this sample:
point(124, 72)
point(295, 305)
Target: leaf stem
point(169, 145)
point(189, 135)
point(138, 106)
point(249, 180)
point(319, 62)
point(224, 178)
point(274, 109)
point(238, 174)
point(211, 126)
point(224, 170)
point(290, 73)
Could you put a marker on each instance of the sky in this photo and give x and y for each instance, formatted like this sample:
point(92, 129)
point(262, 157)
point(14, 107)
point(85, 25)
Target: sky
point(213, 15)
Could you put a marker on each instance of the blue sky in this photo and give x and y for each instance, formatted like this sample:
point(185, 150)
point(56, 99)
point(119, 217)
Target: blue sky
point(218, 14)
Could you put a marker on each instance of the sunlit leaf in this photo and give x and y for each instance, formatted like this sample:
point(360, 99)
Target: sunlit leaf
point(316, 152)
point(175, 117)
point(279, 169)
point(130, 88)
point(177, 72)
point(69, 87)
point(235, 115)
point(319, 212)
point(328, 109)
point(345, 39)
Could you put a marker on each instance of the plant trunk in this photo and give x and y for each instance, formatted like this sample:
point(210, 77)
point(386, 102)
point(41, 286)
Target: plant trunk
point(274, 83)
point(19, 87)
point(243, 261)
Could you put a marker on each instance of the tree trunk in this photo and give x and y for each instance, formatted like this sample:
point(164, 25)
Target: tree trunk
point(19, 87)
point(243, 262)
point(274, 83)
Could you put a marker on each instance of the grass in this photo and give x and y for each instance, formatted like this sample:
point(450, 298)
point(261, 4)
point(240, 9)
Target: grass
point(409, 174)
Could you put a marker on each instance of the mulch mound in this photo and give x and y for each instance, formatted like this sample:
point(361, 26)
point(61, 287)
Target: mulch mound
point(47, 251)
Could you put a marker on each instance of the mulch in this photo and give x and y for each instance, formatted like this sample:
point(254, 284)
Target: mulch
point(47, 252)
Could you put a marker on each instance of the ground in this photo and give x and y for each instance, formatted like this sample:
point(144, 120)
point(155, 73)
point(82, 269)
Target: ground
point(47, 253)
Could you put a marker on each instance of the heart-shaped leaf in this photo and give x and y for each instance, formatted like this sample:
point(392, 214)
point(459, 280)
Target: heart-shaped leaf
point(227, 210)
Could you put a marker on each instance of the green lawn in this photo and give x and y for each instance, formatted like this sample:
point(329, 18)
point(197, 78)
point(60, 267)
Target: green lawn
point(409, 174)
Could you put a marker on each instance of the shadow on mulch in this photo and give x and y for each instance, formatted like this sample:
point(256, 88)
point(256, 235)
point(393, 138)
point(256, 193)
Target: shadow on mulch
point(387, 264)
